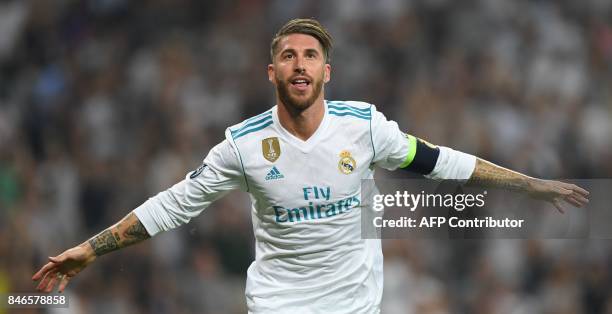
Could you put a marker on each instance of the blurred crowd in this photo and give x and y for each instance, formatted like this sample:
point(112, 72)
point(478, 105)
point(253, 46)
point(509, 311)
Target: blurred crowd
point(104, 103)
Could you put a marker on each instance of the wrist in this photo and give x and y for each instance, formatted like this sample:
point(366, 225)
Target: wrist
point(531, 184)
point(89, 251)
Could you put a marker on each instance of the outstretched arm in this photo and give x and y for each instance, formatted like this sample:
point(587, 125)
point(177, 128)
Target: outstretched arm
point(127, 231)
point(220, 173)
point(491, 175)
point(393, 149)
point(61, 268)
point(440, 163)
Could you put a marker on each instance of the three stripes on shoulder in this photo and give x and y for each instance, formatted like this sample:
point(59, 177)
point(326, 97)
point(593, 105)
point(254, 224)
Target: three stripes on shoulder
point(263, 120)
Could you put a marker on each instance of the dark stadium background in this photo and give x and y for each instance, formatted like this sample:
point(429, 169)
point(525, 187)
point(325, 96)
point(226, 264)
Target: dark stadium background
point(103, 103)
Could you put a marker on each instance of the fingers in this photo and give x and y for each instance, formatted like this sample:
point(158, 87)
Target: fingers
point(46, 279)
point(49, 287)
point(49, 274)
point(563, 191)
point(44, 270)
point(572, 194)
point(579, 190)
point(63, 283)
point(40, 284)
point(580, 199)
point(577, 195)
point(57, 259)
point(572, 200)
point(576, 189)
point(52, 278)
point(558, 205)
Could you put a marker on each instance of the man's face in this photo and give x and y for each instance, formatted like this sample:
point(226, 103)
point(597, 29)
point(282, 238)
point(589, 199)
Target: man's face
point(299, 70)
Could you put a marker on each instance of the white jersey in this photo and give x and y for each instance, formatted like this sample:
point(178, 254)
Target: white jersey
point(306, 206)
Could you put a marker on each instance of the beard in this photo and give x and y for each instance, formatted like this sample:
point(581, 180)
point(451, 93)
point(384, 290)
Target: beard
point(282, 88)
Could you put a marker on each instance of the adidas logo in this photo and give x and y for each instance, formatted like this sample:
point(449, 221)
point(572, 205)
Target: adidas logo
point(274, 174)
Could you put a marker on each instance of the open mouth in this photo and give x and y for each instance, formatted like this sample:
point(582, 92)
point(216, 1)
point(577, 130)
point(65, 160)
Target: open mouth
point(301, 83)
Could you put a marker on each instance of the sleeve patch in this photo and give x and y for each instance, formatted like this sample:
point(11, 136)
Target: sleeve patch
point(197, 172)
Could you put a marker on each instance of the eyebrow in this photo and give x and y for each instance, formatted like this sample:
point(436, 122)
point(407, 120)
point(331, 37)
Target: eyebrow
point(311, 50)
point(291, 50)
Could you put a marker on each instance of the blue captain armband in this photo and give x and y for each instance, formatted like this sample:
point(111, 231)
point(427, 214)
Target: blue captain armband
point(422, 156)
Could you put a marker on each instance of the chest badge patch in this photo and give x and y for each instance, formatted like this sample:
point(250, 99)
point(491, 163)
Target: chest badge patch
point(347, 163)
point(271, 148)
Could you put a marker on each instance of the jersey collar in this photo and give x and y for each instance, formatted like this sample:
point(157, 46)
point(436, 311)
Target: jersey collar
point(311, 142)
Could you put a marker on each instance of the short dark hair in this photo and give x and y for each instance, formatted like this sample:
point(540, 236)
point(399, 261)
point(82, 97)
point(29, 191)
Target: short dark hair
point(310, 27)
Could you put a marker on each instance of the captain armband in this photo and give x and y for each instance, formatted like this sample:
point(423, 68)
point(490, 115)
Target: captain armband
point(422, 156)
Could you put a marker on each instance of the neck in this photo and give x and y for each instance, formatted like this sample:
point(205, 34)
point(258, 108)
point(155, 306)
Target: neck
point(301, 123)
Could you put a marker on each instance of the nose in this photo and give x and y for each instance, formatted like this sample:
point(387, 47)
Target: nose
point(299, 66)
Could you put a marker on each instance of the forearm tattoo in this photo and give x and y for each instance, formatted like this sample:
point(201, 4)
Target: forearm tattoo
point(491, 175)
point(135, 233)
point(103, 243)
point(126, 232)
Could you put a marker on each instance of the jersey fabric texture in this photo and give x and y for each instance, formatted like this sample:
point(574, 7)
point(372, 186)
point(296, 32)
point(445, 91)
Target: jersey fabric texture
point(306, 205)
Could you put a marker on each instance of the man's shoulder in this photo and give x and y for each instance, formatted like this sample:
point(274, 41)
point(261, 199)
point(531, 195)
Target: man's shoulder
point(355, 104)
point(250, 125)
point(350, 109)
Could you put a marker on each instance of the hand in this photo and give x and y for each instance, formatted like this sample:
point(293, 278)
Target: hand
point(556, 191)
point(63, 267)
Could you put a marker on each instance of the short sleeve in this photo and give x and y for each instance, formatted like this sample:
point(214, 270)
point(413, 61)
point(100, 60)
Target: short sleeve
point(395, 149)
point(390, 144)
point(220, 173)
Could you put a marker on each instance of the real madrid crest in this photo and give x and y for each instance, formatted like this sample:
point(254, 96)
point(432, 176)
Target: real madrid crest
point(271, 148)
point(347, 163)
